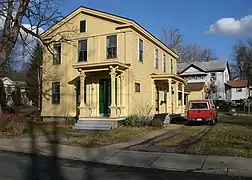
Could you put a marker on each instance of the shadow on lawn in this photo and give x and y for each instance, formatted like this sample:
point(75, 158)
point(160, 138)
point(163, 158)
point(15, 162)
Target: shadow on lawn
point(236, 120)
point(50, 167)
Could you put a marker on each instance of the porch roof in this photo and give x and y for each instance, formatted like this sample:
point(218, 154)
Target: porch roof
point(100, 66)
point(163, 77)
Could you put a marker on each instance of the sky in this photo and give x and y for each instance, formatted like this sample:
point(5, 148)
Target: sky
point(214, 24)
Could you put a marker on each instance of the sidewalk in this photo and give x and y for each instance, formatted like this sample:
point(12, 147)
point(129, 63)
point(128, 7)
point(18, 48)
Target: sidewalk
point(167, 161)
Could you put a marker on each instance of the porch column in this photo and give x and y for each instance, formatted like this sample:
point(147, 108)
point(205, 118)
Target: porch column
point(113, 91)
point(183, 98)
point(153, 90)
point(170, 96)
point(82, 104)
point(123, 94)
point(119, 90)
point(176, 96)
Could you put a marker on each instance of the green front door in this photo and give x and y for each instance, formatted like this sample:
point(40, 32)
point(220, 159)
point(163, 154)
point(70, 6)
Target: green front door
point(104, 97)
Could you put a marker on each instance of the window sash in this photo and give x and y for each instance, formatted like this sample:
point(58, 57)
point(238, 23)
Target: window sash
point(83, 26)
point(171, 66)
point(164, 63)
point(137, 87)
point(82, 51)
point(57, 54)
point(55, 93)
point(111, 46)
point(140, 47)
point(156, 59)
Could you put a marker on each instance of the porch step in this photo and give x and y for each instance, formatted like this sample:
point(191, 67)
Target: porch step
point(95, 124)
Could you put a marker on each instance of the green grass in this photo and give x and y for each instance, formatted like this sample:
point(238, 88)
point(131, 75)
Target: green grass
point(231, 136)
point(186, 132)
point(102, 138)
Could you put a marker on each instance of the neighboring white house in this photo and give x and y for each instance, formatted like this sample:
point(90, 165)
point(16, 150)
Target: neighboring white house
point(212, 72)
point(10, 87)
point(237, 90)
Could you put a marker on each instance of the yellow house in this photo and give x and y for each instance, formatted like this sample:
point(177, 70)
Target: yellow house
point(197, 90)
point(101, 66)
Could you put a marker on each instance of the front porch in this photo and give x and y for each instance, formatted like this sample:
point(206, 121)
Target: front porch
point(101, 95)
point(168, 94)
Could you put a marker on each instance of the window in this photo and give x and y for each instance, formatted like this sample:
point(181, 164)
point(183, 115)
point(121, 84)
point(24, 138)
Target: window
point(213, 76)
point(140, 48)
point(56, 53)
point(83, 26)
point(55, 93)
point(238, 89)
point(156, 59)
point(165, 95)
point(171, 66)
point(137, 87)
point(164, 63)
point(112, 47)
point(82, 50)
point(199, 106)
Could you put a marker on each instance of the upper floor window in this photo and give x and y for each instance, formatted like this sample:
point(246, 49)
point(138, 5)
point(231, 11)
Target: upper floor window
point(112, 46)
point(164, 63)
point(156, 59)
point(55, 93)
point(213, 76)
point(238, 89)
point(137, 87)
point(56, 53)
point(83, 26)
point(140, 49)
point(82, 46)
point(171, 66)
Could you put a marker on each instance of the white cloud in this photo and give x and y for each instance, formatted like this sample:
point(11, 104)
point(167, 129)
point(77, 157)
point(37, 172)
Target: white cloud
point(231, 26)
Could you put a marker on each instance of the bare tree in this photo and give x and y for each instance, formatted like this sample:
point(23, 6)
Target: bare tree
point(242, 60)
point(40, 14)
point(173, 38)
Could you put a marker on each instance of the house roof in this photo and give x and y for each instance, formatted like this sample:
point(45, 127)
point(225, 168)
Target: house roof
point(125, 22)
point(209, 66)
point(238, 83)
point(197, 86)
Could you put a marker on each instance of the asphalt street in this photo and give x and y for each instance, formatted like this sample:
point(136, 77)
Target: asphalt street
point(19, 166)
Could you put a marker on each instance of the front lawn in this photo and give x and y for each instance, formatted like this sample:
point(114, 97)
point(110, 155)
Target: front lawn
point(185, 133)
point(102, 138)
point(231, 136)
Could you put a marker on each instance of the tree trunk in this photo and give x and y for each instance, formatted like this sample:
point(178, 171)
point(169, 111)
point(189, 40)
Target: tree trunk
point(1, 111)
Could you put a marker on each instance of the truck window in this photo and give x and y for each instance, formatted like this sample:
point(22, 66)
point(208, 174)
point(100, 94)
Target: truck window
point(199, 105)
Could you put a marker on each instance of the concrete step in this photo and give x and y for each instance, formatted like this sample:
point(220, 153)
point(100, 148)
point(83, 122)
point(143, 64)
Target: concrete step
point(94, 124)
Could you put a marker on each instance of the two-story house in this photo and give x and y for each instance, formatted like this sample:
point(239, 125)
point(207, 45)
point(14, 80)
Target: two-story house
point(212, 73)
point(109, 67)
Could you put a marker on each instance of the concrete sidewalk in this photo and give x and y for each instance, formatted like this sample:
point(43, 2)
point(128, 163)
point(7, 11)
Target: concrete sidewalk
point(167, 161)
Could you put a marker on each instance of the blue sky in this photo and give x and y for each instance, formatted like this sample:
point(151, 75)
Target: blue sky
point(192, 18)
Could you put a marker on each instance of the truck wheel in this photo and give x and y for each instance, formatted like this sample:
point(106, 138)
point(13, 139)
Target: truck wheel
point(212, 122)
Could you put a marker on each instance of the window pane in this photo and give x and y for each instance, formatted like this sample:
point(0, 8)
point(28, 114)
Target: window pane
point(112, 52)
point(57, 54)
point(137, 87)
point(83, 45)
point(82, 50)
point(112, 41)
point(55, 92)
point(140, 44)
point(83, 26)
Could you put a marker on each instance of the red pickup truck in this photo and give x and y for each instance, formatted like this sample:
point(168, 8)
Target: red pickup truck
point(202, 111)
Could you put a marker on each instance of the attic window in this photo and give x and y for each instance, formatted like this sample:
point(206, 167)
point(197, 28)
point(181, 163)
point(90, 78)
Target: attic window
point(83, 26)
